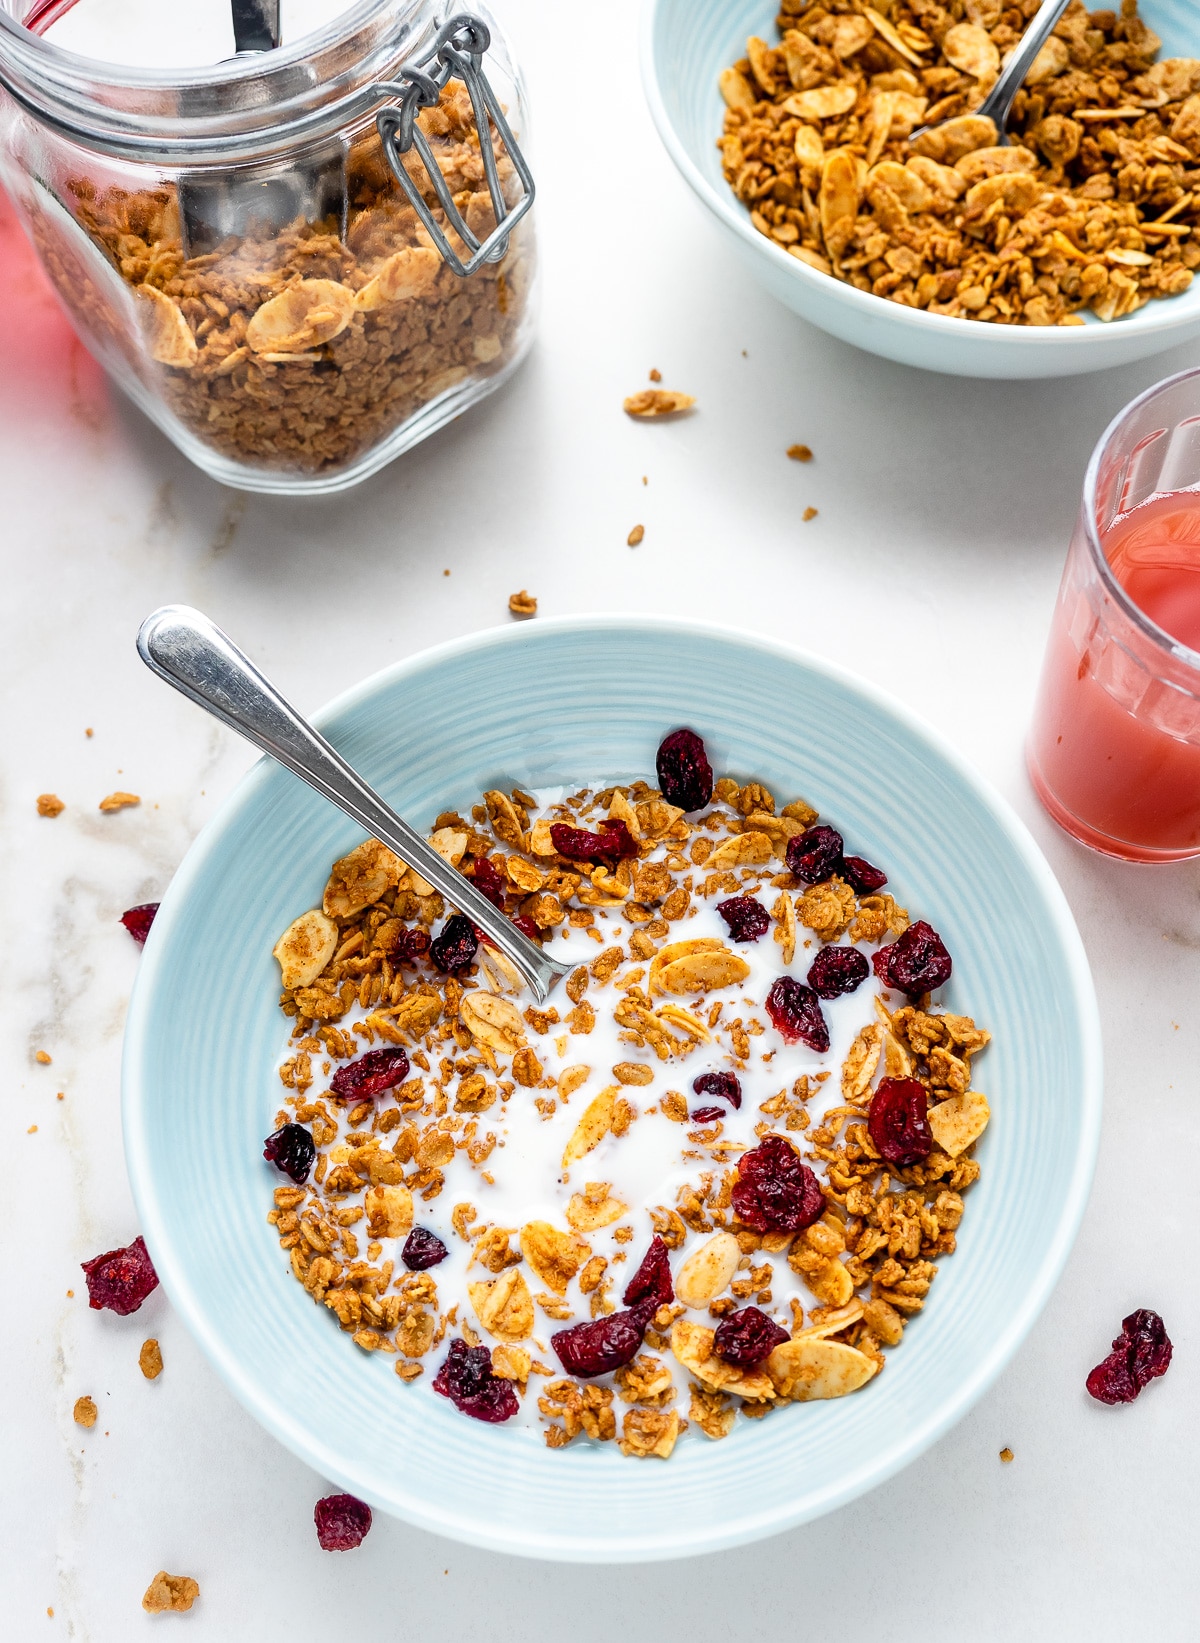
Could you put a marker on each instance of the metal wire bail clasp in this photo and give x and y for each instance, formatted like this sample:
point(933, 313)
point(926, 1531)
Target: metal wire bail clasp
point(457, 53)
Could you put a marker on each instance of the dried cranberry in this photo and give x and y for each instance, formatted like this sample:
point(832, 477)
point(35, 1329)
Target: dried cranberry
point(898, 1119)
point(486, 878)
point(816, 854)
point(745, 1338)
point(707, 1115)
point(408, 945)
point(1140, 1352)
point(684, 773)
point(342, 1522)
point(292, 1150)
point(862, 878)
point(725, 1085)
point(747, 919)
point(422, 1249)
point(466, 1378)
point(370, 1075)
point(651, 1284)
point(527, 927)
point(774, 1191)
point(457, 945)
point(608, 1343)
point(611, 843)
point(120, 1279)
point(837, 970)
point(916, 963)
point(137, 920)
point(796, 1013)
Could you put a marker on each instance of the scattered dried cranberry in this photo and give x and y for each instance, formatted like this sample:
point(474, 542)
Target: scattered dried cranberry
point(651, 1284)
point(816, 854)
point(747, 919)
point(684, 773)
point(292, 1150)
point(466, 1378)
point(486, 878)
point(916, 963)
point(422, 1249)
point(837, 970)
point(527, 927)
point(796, 1013)
point(342, 1522)
point(370, 1075)
point(611, 843)
point(745, 1338)
point(862, 878)
point(1140, 1352)
point(120, 1279)
point(774, 1191)
point(137, 920)
point(457, 945)
point(408, 945)
point(707, 1115)
point(725, 1085)
point(608, 1343)
point(898, 1120)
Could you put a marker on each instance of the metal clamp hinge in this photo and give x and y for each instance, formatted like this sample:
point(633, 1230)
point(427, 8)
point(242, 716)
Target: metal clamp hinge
point(457, 53)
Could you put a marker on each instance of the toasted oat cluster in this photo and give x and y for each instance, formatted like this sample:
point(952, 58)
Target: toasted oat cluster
point(300, 351)
point(1090, 205)
point(713, 1176)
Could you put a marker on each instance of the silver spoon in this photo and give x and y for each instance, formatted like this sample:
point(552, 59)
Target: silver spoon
point(997, 105)
point(187, 650)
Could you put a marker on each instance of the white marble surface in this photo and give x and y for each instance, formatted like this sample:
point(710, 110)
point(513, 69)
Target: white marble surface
point(944, 513)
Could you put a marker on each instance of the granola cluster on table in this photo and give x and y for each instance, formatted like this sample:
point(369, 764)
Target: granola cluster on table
point(714, 1176)
point(1092, 204)
point(299, 350)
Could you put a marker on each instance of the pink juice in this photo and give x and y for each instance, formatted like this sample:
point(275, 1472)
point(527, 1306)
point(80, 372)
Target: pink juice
point(1115, 747)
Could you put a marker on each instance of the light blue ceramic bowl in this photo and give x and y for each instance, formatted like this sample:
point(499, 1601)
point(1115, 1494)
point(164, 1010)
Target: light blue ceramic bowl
point(570, 701)
point(686, 44)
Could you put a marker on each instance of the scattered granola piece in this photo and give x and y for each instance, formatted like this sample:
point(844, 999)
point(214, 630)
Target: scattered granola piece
point(150, 1359)
point(49, 804)
point(655, 374)
point(1006, 1455)
point(85, 1412)
point(119, 801)
point(799, 453)
point(636, 536)
point(170, 1594)
point(652, 402)
point(522, 604)
point(809, 513)
point(42, 1058)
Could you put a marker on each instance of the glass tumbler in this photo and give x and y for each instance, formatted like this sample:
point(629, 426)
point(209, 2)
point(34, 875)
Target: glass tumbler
point(1114, 749)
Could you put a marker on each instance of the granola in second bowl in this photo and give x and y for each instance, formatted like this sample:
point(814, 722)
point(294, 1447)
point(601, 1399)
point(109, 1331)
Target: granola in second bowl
point(1090, 205)
point(712, 1177)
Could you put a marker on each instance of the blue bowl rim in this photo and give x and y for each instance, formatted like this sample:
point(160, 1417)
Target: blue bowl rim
point(1160, 316)
point(155, 1217)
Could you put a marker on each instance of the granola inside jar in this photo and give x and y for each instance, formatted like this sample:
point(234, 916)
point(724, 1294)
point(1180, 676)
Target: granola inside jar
point(239, 248)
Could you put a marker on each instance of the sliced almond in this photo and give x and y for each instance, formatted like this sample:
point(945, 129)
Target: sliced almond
point(831, 1283)
point(839, 199)
point(492, 1020)
point(736, 89)
point(784, 914)
point(683, 1021)
point(501, 973)
point(972, 50)
point(832, 1323)
point(306, 315)
point(906, 185)
point(693, 1345)
point(958, 1122)
point(389, 1212)
point(594, 1207)
point(527, 878)
point(707, 1271)
point(555, 1256)
point(407, 274)
point(887, 31)
point(679, 949)
point(451, 846)
point(593, 1126)
point(571, 1078)
point(808, 1368)
point(862, 1058)
point(540, 842)
point(1018, 191)
point(169, 338)
point(991, 161)
point(823, 102)
point(702, 972)
point(810, 150)
point(949, 142)
point(359, 879)
point(305, 948)
point(742, 850)
point(504, 1306)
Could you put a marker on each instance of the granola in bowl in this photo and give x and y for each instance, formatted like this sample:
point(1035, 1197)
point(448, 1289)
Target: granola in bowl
point(714, 1177)
point(1089, 207)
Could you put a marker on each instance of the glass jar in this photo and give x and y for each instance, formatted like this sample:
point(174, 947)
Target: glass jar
point(298, 263)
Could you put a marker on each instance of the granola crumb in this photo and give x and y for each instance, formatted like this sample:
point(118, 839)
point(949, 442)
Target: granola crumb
point(85, 1412)
point(645, 479)
point(150, 1359)
point(49, 804)
point(170, 1594)
point(32, 1130)
point(119, 801)
point(89, 731)
point(522, 604)
point(809, 513)
point(445, 573)
point(655, 374)
point(636, 536)
point(1006, 1454)
point(652, 402)
point(799, 453)
point(43, 1058)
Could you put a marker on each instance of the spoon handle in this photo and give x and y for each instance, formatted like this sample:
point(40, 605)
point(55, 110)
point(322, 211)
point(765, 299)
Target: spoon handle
point(187, 650)
point(999, 99)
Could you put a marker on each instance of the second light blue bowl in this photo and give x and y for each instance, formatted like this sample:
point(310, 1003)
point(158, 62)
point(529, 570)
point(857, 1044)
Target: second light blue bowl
point(573, 701)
